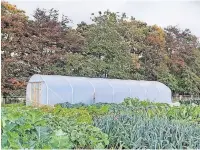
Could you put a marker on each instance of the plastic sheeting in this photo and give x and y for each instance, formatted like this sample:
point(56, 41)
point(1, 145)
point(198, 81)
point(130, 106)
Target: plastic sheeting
point(53, 89)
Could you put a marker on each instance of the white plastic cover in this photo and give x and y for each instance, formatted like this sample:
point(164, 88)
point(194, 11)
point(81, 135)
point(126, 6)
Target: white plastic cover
point(53, 89)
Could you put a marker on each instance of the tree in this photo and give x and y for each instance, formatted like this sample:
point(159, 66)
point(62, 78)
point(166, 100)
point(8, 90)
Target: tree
point(181, 47)
point(13, 23)
point(106, 51)
point(112, 46)
point(7, 8)
point(32, 46)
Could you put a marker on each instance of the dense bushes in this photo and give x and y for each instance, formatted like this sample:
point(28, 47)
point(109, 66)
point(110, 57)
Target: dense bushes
point(195, 101)
point(131, 124)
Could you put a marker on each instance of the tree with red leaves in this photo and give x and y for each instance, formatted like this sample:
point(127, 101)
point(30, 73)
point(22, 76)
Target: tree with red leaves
point(31, 46)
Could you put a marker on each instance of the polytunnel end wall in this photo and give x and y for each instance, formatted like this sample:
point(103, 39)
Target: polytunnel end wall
point(164, 85)
point(167, 97)
point(37, 86)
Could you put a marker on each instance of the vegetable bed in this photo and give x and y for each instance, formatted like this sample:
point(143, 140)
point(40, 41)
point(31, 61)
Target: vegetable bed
point(131, 124)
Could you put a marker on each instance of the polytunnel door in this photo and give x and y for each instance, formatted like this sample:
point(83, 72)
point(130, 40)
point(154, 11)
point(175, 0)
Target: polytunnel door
point(36, 93)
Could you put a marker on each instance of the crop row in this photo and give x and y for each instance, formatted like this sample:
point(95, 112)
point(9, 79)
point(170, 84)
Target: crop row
point(131, 124)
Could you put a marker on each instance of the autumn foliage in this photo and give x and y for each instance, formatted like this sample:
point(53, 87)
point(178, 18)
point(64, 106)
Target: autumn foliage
point(112, 46)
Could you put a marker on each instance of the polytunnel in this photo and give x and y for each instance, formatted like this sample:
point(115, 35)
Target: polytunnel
point(53, 89)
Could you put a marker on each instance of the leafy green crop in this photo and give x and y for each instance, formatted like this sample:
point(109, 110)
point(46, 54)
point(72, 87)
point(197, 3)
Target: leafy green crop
point(80, 115)
point(139, 132)
point(94, 110)
point(47, 128)
point(150, 109)
point(69, 105)
point(132, 124)
point(138, 103)
point(80, 135)
point(22, 128)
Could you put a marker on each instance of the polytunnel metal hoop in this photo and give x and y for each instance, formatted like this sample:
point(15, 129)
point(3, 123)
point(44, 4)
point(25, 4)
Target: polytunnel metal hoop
point(56, 94)
point(71, 88)
point(93, 90)
point(47, 89)
point(130, 90)
point(113, 91)
point(145, 90)
point(157, 89)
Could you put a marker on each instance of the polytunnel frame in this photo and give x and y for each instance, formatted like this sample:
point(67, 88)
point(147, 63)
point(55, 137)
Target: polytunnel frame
point(94, 89)
point(71, 88)
point(145, 90)
point(47, 94)
point(153, 82)
point(48, 88)
point(156, 88)
point(130, 89)
point(113, 90)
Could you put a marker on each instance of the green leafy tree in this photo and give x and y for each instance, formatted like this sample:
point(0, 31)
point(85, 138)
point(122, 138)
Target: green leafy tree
point(106, 52)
